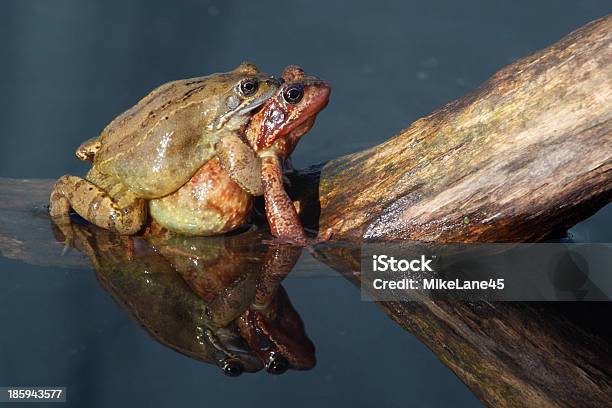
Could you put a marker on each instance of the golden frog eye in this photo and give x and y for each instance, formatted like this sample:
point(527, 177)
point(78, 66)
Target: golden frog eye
point(249, 86)
point(293, 94)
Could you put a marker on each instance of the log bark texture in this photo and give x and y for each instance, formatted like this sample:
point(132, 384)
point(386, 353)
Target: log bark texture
point(528, 152)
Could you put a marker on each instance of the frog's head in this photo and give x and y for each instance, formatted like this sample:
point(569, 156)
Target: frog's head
point(241, 91)
point(287, 116)
point(275, 332)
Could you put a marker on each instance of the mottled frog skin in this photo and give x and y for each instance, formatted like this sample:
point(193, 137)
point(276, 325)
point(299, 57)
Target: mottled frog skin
point(214, 201)
point(155, 147)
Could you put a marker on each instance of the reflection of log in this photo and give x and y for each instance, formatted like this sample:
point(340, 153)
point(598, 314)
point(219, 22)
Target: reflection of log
point(518, 354)
point(511, 354)
point(25, 227)
point(528, 152)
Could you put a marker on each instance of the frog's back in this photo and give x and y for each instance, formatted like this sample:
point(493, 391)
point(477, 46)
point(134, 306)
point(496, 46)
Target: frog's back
point(155, 146)
point(142, 116)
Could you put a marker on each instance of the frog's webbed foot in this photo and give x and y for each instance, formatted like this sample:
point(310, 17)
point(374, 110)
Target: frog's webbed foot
point(322, 237)
point(65, 232)
point(239, 160)
point(124, 216)
point(73, 236)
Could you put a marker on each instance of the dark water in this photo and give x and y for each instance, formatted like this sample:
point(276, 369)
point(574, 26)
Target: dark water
point(69, 332)
point(68, 67)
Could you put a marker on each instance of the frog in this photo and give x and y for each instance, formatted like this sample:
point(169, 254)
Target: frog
point(155, 147)
point(241, 283)
point(276, 335)
point(215, 299)
point(212, 202)
point(148, 288)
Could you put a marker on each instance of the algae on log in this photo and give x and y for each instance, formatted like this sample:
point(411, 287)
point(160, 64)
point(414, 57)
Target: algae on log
point(528, 152)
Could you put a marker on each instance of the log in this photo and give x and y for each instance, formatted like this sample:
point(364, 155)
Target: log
point(26, 232)
point(527, 153)
point(522, 158)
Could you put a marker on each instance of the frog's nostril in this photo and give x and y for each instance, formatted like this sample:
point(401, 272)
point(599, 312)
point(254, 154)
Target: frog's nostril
point(232, 368)
point(277, 365)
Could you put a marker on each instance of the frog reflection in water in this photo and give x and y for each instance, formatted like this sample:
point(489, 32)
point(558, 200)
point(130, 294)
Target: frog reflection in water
point(182, 148)
point(216, 299)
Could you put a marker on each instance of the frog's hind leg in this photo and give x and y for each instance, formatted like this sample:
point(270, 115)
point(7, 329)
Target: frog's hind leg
point(88, 149)
point(117, 210)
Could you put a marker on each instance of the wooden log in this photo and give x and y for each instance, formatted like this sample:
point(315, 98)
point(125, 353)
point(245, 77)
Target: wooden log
point(525, 156)
point(527, 153)
point(26, 232)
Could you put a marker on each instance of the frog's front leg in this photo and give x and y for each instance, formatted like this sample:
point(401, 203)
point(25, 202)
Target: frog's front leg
point(280, 211)
point(241, 163)
point(122, 212)
point(279, 262)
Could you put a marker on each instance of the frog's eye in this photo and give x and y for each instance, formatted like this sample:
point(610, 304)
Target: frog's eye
point(293, 94)
point(249, 86)
point(232, 368)
point(277, 365)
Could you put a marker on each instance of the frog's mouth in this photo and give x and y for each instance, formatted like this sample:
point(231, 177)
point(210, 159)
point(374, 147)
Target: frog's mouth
point(231, 353)
point(257, 109)
point(276, 334)
point(243, 112)
point(256, 104)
